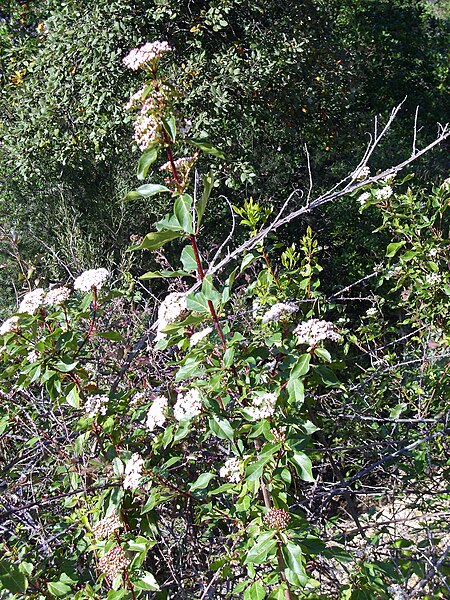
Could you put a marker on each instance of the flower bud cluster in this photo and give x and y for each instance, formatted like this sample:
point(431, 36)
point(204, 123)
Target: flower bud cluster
point(278, 311)
point(170, 309)
point(156, 415)
point(105, 527)
point(231, 470)
point(262, 406)
point(96, 405)
point(279, 434)
point(146, 55)
point(91, 278)
point(276, 518)
point(113, 562)
point(133, 472)
point(314, 331)
point(188, 405)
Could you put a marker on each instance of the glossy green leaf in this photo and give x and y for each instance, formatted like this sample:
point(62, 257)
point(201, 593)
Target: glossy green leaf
point(208, 184)
point(58, 588)
point(12, 579)
point(296, 391)
point(182, 211)
point(201, 482)
point(188, 259)
point(295, 571)
point(156, 239)
point(221, 428)
point(148, 157)
point(197, 302)
point(301, 367)
point(164, 274)
point(303, 465)
point(206, 146)
point(148, 583)
point(262, 548)
point(255, 592)
point(151, 189)
point(170, 126)
point(393, 248)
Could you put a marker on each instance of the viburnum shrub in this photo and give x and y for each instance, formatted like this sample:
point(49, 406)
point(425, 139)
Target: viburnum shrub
point(180, 474)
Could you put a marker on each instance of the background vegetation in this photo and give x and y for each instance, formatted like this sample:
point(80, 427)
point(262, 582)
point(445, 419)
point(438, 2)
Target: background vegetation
point(362, 462)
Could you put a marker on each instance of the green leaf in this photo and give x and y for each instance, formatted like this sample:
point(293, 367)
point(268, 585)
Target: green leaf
point(247, 260)
point(255, 470)
point(303, 465)
point(197, 302)
point(327, 376)
point(164, 274)
point(206, 146)
point(255, 592)
point(65, 366)
point(72, 396)
point(188, 259)
point(147, 159)
point(58, 589)
point(263, 547)
point(191, 368)
point(301, 367)
point(221, 428)
point(228, 358)
point(323, 353)
point(201, 482)
point(208, 183)
point(12, 579)
point(148, 582)
point(182, 211)
point(114, 336)
point(295, 571)
point(393, 248)
point(151, 189)
point(296, 391)
point(170, 126)
point(156, 239)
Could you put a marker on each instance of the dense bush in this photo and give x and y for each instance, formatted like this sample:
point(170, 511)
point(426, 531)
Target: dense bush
point(262, 436)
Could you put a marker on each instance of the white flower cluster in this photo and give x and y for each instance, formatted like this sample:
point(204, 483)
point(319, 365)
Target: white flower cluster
point(314, 331)
point(133, 472)
point(262, 406)
point(96, 405)
point(433, 278)
point(199, 335)
point(156, 416)
point(170, 309)
point(183, 163)
point(279, 311)
point(363, 198)
point(188, 405)
point(397, 592)
point(371, 312)
point(231, 470)
point(146, 129)
point(57, 295)
point(145, 55)
point(31, 301)
point(362, 173)
point(91, 278)
point(32, 356)
point(135, 99)
point(11, 325)
point(106, 526)
point(384, 193)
